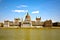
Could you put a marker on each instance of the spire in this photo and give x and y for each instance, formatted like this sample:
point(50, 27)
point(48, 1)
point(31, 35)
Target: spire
point(27, 13)
point(40, 17)
point(27, 17)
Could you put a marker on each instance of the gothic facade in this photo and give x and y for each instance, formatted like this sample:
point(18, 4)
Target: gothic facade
point(27, 23)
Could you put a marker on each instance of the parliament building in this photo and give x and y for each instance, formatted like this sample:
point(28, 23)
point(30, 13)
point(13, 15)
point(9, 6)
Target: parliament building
point(26, 23)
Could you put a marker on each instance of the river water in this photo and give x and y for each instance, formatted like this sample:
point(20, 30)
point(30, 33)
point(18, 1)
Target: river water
point(29, 34)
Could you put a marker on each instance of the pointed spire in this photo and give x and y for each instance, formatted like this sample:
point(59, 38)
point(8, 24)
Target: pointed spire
point(27, 13)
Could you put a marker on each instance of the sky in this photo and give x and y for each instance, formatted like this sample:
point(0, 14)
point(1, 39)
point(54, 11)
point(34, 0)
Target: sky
point(46, 9)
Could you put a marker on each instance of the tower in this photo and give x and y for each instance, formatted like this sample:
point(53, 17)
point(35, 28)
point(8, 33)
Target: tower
point(27, 21)
point(38, 19)
point(6, 23)
point(16, 21)
point(27, 18)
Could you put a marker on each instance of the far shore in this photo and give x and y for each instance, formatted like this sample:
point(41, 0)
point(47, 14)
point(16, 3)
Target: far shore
point(30, 28)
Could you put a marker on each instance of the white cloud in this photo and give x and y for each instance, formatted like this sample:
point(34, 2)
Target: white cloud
point(19, 11)
point(24, 6)
point(21, 6)
point(35, 12)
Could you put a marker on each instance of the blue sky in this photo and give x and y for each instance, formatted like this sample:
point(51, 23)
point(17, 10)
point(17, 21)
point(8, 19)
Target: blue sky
point(46, 9)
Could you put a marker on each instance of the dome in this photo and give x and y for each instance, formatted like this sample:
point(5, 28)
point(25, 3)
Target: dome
point(27, 17)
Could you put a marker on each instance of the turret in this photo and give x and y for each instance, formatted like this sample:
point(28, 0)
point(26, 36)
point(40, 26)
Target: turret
point(27, 18)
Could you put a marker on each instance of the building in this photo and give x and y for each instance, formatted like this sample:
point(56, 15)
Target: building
point(56, 24)
point(11, 23)
point(16, 22)
point(38, 23)
point(48, 23)
point(20, 24)
point(27, 22)
point(1, 24)
point(6, 23)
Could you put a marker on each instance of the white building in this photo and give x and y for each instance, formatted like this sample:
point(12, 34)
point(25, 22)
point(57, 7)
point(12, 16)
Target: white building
point(27, 22)
point(16, 22)
point(6, 23)
point(37, 23)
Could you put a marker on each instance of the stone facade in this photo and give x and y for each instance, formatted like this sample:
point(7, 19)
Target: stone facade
point(16, 21)
point(56, 24)
point(48, 23)
point(1, 24)
point(6, 23)
point(37, 23)
point(27, 23)
point(11, 23)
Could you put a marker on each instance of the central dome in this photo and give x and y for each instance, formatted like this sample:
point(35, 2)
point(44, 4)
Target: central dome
point(27, 18)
